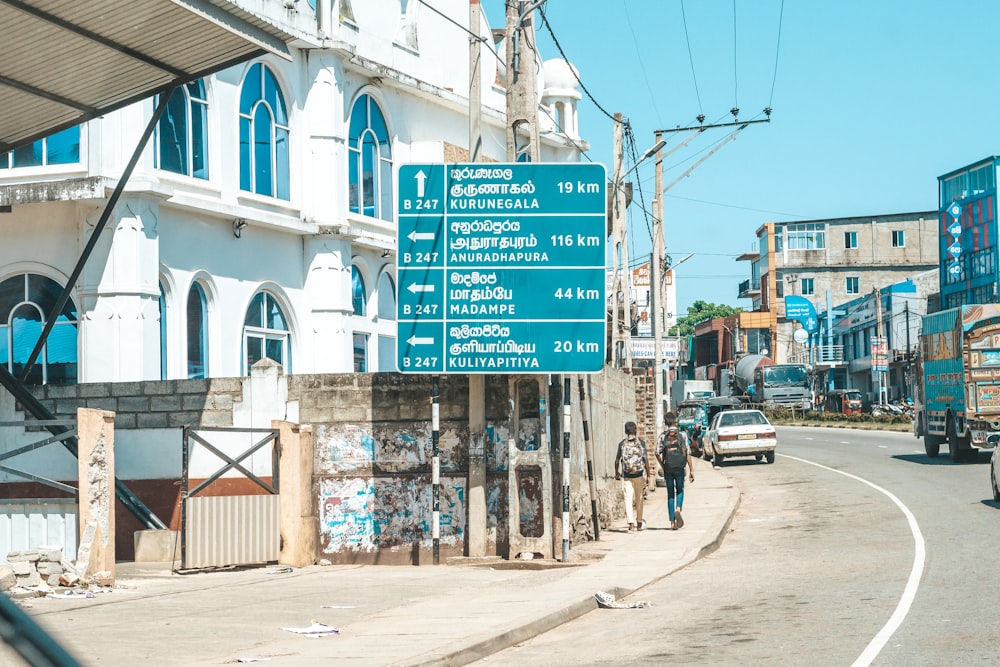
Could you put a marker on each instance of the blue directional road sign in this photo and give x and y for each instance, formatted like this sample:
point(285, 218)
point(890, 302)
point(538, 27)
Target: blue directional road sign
point(501, 268)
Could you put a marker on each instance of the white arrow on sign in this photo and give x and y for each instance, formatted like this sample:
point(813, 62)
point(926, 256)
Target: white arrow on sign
point(420, 288)
point(419, 340)
point(420, 236)
point(421, 177)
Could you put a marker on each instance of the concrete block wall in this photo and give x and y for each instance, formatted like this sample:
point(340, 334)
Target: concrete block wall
point(373, 441)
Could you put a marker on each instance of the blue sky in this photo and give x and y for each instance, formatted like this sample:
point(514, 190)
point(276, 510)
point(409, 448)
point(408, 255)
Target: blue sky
point(872, 101)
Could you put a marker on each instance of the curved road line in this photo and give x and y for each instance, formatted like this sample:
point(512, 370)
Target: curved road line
point(879, 641)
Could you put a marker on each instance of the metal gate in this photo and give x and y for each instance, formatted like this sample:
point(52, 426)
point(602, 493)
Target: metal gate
point(231, 529)
point(27, 523)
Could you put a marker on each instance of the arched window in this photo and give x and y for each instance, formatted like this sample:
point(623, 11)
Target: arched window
point(163, 333)
point(27, 302)
point(385, 325)
point(359, 297)
point(182, 133)
point(59, 148)
point(370, 161)
point(265, 333)
point(197, 333)
point(263, 135)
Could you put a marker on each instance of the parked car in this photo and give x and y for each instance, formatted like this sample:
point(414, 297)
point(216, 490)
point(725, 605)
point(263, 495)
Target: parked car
point(740, 433)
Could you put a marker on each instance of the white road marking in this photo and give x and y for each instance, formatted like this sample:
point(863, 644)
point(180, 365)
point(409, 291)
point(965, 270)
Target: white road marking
point(844, 442)
point(879, 641)
point(807, 438)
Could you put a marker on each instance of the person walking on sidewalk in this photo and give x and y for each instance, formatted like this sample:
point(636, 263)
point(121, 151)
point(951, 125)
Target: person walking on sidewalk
point(673, 453)
point(632, 464)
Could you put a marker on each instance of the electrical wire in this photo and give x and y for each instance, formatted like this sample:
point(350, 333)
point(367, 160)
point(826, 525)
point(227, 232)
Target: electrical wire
point(781, 14)
point(558, 46)
point(642, 66)
point(736, 86)
point(477, 37)
point(694, 77)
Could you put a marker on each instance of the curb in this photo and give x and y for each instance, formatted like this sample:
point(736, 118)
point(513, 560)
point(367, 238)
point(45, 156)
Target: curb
point(530, 629)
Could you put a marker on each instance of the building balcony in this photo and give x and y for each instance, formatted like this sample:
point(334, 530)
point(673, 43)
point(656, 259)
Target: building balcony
point(822, 355)
point(749, 288)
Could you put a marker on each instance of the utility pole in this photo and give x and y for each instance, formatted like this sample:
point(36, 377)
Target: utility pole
point(909, 371)
point(477, 383)
point(621, 318)
point(522, 102)
point(881, 343)
point(655, 271)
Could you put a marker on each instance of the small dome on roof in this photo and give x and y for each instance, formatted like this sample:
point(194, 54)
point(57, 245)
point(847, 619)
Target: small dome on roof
point(561, 78)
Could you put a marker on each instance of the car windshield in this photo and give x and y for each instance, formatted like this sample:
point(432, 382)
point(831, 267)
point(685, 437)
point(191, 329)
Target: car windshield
point(742, 419)
point(691, 413)
point(785, 376)
point(852, 396)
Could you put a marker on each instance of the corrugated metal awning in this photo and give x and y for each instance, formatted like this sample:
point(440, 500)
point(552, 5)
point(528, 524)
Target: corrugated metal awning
point(63, 62)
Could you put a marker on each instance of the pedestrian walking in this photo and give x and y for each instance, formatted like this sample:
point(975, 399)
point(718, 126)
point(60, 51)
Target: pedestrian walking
point(673, 452)
point(632, 464)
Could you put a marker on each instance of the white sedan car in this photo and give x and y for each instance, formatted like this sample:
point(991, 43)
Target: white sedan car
point(740, 433)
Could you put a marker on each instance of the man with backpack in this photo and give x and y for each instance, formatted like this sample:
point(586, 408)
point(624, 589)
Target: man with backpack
point(632, 464)
point(674, 454)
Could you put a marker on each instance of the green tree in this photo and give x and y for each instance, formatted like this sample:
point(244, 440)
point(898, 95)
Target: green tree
point(699, 311)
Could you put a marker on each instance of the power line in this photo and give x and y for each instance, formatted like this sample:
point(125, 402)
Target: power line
point(736, 87)
point(555, 41)
point(777, 47)
point(642, 66)
point(694, 77)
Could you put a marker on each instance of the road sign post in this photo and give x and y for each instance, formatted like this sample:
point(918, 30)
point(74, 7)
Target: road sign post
point(501, 268)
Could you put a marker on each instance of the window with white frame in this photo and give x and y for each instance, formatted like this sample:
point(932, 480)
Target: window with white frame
point(182, 133)
point(808, 286)
point(27, 303)
point(265, 333)
point(898, 238)
point(850, 240)
point(59, 148)
point(852, 285)
point(264, 134)
point(197, 333)
point(369, 158)
point(805, 236)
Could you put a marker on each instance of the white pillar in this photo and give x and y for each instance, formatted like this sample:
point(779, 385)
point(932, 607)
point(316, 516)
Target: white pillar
point(119, 290)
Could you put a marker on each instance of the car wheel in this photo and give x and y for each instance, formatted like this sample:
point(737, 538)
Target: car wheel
point(993, 479)
point(769, 456)
point(758, 457)
point(718, 459)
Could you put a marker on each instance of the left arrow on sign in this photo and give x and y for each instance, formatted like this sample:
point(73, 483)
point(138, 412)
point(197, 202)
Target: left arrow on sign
point(419, 340)
point(420, 288)
point(420, 236)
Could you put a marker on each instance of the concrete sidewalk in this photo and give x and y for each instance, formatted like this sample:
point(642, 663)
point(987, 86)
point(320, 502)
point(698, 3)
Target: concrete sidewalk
point(445, 615)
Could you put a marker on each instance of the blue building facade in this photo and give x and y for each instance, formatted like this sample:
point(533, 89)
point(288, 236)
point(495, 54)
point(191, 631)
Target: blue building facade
point(967, 206)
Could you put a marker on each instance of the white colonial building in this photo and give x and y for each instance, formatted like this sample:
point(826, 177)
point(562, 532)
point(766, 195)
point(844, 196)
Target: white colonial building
point(259, 221)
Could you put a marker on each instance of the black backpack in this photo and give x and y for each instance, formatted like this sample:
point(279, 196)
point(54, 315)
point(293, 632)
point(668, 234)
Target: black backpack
point(672, 451)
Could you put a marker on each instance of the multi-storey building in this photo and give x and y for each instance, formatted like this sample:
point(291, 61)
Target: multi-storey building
point(832, 261)
point(259, 221)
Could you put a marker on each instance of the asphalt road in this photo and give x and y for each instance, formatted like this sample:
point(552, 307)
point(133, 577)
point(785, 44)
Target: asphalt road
point(852, 548)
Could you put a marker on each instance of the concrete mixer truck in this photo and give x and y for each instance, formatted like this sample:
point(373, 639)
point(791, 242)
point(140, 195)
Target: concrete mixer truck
point(757, 379)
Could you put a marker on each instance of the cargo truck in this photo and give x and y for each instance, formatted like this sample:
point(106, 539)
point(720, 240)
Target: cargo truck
point(758, 380)
point(683, 390)
point(958, 380)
